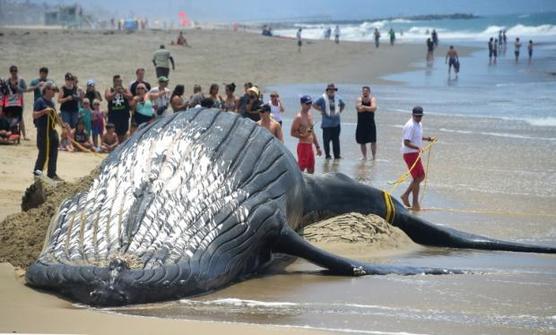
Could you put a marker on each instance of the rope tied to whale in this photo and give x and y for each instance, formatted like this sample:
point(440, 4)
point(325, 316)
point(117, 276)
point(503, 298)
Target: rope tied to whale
point(54, 119)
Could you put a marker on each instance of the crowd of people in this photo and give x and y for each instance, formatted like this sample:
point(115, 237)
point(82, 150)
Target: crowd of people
point(87, 126)
point(497, 46)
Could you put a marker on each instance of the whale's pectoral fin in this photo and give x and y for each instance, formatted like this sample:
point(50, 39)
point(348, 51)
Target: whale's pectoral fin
point(291, 243)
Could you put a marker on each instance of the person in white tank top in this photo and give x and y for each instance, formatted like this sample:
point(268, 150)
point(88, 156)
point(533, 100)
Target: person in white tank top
point(276, 107)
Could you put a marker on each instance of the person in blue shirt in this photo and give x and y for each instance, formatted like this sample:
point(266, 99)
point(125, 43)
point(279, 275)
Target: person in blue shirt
point(47, 137)
point(330, 107)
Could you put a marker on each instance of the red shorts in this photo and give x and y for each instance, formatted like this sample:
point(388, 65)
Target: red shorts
point(305, 156)
point(418, 170)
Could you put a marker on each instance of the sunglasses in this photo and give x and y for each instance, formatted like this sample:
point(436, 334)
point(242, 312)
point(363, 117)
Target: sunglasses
point(274, 96)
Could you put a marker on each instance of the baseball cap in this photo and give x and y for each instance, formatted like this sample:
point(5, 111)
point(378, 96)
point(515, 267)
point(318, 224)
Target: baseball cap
point(418, 110)
point(163, 79)
point(91, 82)
point(306, 99)
point(264, 108)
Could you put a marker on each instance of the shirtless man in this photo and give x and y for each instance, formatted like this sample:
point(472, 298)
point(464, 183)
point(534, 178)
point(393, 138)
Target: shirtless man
point(452, 56)
point(267, 122)
point(109, 139)
point(302, 128)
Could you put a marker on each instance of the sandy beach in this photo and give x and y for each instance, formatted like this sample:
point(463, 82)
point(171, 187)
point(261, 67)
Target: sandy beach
point(488, 175)
point(215, 56)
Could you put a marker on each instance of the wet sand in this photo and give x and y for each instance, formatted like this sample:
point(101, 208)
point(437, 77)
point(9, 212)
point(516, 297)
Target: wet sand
point(215, 56)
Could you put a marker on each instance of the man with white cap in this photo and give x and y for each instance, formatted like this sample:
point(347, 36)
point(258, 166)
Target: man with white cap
point(412, 140)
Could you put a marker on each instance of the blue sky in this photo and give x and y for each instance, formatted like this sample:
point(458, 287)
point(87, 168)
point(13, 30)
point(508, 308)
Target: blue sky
point(267, 10)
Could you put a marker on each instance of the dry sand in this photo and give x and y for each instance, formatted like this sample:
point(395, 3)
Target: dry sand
point(215, 56)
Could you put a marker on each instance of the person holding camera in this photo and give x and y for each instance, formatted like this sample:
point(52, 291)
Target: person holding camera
point(161, 97)
point(69, 101)
point(118, 98)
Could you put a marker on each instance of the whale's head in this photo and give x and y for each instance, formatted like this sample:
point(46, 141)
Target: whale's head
point(202, 190)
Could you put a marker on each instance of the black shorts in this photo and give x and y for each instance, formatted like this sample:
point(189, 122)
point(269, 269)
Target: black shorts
point(299, 43)
point(120, 121)
point(162, 71)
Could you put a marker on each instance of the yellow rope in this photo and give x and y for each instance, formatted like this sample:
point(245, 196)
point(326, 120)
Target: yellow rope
point(407, 174)
point(52, 115)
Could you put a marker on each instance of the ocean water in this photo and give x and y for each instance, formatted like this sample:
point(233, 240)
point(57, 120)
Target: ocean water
point(493, 172)
point(540, 26)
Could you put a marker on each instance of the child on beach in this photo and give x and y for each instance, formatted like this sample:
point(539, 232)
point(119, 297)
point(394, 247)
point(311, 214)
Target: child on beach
point(97, 122)
point(86, 115)
point(65, 140)
point(109, 139)
point(80, 136)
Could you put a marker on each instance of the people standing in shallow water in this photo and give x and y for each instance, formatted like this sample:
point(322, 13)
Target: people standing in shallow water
point(330, 106)
point(490, 49)
point(366, 127)
point(303, 129)
point(517, 46)
point(299, 40)
point(452, 60)
point(392, 34)
point(495, 50)
point(430, 50)
point(412, 141)
point(434, 36)
point(530, 50)
point(377, 37)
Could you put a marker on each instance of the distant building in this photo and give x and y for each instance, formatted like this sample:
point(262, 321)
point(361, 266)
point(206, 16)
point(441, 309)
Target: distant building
point(67, 16)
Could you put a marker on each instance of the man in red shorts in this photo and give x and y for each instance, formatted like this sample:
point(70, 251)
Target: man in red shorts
point(412, 141)
point(302, 128)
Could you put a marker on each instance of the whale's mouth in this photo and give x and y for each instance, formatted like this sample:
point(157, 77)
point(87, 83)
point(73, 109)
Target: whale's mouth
point(108, 296)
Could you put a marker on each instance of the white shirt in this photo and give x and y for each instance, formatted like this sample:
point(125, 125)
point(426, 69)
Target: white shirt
point(275, 111)
point(163, 100)
point(412, 131)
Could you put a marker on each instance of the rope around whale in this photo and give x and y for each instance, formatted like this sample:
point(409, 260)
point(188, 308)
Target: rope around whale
point(55, 119)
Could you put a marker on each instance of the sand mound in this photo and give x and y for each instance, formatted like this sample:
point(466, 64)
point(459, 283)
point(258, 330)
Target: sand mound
point(359, 229)
point(22, 235)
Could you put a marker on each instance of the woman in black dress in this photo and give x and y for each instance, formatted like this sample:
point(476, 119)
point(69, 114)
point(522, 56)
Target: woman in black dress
point(366, 128)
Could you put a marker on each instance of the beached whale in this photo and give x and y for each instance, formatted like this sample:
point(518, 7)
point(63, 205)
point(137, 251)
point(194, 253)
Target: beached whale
point(201, 199)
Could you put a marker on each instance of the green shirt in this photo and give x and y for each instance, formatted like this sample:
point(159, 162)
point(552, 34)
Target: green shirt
point(86, 115)
point(161, 58)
